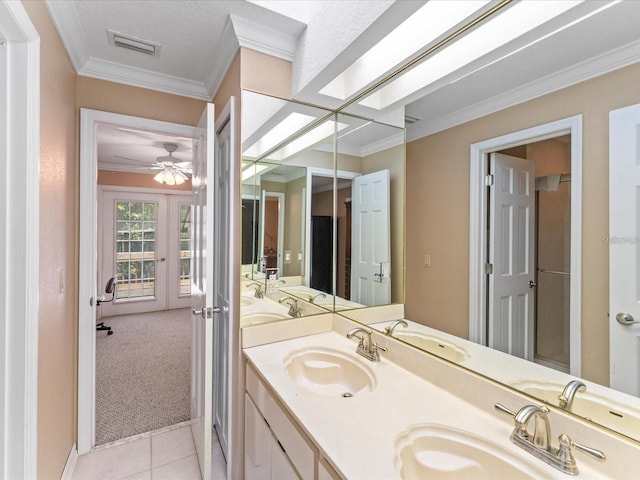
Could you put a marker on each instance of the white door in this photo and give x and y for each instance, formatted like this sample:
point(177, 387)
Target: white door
point(624, 224)
point(202, 293)
point(511, 256)
point(371, 234)
point(222, 237)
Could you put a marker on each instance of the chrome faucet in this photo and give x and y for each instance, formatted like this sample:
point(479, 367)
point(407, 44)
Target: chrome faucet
point(539, 444)
point(366, 346)
point(569, 393)
point(259, 293)
point(312, 298)
point(392, 326)
point(294, 309)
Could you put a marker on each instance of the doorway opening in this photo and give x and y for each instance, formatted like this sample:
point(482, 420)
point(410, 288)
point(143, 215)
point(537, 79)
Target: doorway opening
point(537, 222)
point(550, 260)
point(91, 242)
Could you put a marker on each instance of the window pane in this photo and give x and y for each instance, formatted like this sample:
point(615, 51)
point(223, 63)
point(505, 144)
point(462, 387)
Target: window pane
point(185, 250)
point(135, 249)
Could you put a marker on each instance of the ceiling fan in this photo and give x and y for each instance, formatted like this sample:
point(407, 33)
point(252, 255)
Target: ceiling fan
point(172, 172)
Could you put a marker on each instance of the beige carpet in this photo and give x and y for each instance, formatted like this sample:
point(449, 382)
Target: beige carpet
point(142, 373)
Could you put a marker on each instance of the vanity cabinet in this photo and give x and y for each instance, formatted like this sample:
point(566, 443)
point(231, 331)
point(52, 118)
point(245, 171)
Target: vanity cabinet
point(274, 446)
point(264, 457)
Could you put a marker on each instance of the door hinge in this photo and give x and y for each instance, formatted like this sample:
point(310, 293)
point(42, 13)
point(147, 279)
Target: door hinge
point(488, 180)
point(488, 268)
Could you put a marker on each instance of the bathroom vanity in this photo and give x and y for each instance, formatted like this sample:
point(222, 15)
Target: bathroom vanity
point(317, 409)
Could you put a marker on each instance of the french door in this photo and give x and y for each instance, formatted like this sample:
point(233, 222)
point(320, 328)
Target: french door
point(145, 242)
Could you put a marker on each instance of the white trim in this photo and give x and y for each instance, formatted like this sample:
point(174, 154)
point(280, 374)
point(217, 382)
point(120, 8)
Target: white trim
point(19, 242)
point(478, 225)
point(70, 465)
point(383, 144)
point(281, 216)
point(274, 42)
point(70, 30)
point(87, 257)
point(139, 77)
point(600, 65)
point(318, 172)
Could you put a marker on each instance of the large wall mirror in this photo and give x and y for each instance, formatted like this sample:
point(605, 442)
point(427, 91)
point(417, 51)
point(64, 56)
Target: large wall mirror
point(323, 204)
point(444, 123)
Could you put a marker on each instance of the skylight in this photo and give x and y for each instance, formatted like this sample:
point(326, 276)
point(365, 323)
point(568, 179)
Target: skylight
point(283, 130)
point(420, 29)
point(309, 139)
point(506, 26)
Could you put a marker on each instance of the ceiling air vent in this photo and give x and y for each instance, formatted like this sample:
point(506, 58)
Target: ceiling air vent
point(137, 45)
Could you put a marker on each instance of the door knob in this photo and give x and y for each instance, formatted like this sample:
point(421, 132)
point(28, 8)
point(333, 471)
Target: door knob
point(532, 284)
point(206, 312)
point(625, 319)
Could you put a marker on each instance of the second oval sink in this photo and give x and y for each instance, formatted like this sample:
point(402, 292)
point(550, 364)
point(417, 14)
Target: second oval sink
point(446, 453)
point(329, 372)
point(432, 344)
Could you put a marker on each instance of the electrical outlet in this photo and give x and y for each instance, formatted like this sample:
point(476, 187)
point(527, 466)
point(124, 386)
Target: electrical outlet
point(287, 256)
point(427, 260)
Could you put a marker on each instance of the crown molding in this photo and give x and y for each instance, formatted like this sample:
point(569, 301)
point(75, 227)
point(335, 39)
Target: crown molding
point(592, 68)
point(138, 77)
point(224, 55)
point(256, 36)
point(70, 31)
point(383, 144)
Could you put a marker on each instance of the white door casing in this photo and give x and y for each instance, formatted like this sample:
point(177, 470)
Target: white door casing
point(90, 120)
point(478, 258)
point(202, 293)
point(511, 254)
point(19, 251)
point(371, 239)
point(624, 245)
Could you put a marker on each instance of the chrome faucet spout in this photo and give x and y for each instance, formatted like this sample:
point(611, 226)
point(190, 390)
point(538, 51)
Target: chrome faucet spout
point(569, 393)
point(392, 326)
point(294, 309)
point(366, 346)
point(312, 298)
point(542, 429)
point(259, 293)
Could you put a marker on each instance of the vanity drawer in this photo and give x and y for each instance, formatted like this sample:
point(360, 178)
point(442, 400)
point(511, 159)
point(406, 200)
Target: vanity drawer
point(295, 445)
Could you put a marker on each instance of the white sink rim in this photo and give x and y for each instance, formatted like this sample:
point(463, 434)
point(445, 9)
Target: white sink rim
point(459, 354)
point(443, 435)
point(318, 364)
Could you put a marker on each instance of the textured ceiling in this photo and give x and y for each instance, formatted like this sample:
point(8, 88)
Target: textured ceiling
point(322, 37)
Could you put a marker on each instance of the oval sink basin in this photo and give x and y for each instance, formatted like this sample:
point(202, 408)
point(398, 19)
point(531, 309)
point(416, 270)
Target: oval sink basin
point(597, 408)
point(246, 301)
point(329, 372)
point(432, 344)
point(446, 453)
point(260, 318)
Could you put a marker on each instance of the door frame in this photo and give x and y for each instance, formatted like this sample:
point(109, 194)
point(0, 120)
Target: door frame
point(19, 253)
point(281, 215)
point(90, 120)
point(478, 226)
point(320, 172)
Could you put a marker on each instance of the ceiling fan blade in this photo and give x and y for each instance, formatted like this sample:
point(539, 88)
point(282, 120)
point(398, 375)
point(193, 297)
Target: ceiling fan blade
point(188, 165)
point(120, 166)
point(130, 159)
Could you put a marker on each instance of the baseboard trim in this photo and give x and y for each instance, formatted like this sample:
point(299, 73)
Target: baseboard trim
point(70, 466)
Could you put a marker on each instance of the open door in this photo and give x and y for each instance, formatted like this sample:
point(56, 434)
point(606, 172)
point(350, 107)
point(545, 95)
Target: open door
point(511, 256)
point(202, 298)
point(624, 224)
point(371, 242)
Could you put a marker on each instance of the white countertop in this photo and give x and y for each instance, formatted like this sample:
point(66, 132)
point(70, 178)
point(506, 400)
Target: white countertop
point(359, 434)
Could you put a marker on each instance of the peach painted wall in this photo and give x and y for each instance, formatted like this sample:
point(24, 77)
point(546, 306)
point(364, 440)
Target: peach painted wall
point(58, 245)
point(139, 102)
point(127, 179)
point(438, 209)
point(265, 74)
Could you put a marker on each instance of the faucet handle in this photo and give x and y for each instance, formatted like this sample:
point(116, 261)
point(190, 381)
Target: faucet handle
point(501, 408)
point(565, 449)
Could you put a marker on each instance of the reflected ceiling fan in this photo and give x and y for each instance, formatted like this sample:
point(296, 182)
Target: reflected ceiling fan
point(171, 172)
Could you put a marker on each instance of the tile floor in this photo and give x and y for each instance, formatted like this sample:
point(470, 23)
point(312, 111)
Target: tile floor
point(167, 454)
